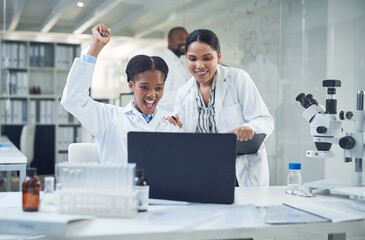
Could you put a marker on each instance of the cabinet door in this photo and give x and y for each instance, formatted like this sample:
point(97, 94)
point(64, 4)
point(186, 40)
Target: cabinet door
point(13, 133)
point(44, 149)
point(44, 146)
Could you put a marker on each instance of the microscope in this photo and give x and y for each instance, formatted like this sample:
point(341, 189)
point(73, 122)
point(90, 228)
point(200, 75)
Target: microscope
point(326, 129)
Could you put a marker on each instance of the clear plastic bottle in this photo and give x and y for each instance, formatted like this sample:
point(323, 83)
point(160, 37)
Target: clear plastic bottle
point(31, 187)
point(49, 197)
point(294, 179)
point(142, 190)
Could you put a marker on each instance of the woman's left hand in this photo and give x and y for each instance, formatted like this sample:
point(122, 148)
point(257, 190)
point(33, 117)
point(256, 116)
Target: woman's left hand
point(243, 133)
point(174, 120)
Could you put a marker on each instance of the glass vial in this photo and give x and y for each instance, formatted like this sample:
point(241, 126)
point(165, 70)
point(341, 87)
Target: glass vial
point(294, 179)
point(31, 188)
point(142, 190)
point(49, 197)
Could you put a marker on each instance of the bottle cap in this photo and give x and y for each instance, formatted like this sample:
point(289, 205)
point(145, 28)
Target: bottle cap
point(31, 171)
point(139, 172)
point(295, 166)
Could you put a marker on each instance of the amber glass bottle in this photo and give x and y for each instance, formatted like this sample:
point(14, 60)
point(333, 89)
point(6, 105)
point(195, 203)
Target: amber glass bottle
point(31, 188)
point(142, 188)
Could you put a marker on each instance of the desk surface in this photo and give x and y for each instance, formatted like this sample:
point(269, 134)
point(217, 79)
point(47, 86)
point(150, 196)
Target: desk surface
point(209, 221)
point(9, 154)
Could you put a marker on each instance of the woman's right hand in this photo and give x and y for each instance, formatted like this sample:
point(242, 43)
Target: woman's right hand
point(101, 34)
point(243, 133)
point(101, 37)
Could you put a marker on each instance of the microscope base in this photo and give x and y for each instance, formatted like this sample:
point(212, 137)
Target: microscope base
point(336, 188)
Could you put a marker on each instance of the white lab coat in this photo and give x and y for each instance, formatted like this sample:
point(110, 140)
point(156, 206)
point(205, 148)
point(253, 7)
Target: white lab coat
point(176, 77)
point(237, 103)
point(108, 123)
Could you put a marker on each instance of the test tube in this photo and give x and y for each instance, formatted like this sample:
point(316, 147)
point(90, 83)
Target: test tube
point(130, 187)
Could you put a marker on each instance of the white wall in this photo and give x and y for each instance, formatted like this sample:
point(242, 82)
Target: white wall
point(302, 69)
point(346, 57)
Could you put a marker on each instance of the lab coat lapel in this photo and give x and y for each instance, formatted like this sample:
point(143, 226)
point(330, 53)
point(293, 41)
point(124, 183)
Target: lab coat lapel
point(140, 121)
point(152, 125)
point(221, 88)
point(192, 107)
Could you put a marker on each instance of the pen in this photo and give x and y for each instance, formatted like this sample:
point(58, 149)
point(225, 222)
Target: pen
point(174, 118)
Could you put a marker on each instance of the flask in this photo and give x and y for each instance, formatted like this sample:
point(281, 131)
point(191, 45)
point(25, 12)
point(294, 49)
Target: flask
point(49, 197)
point(142, 190)
point(294, 179)
point(31, 187)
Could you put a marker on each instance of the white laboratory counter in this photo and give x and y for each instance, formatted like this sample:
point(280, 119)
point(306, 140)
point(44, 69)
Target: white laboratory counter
point(11, 159)
point(205, 221)
point(9, 154)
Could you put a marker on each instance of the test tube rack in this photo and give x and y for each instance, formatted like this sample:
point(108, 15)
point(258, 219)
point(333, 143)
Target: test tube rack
point(96, 189)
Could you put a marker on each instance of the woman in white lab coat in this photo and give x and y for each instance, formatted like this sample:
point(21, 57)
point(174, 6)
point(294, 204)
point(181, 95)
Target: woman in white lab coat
point(110, 124)
point(219, 99)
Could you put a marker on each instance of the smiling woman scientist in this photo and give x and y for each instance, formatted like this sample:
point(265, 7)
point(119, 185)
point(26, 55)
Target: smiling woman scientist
point(110, 124)
point(220, 99)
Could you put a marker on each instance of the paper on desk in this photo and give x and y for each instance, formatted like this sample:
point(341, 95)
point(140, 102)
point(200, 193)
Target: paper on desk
point(180, 217)
point(283, 214)
point(14, 220)
point(244, 216)
point(334, 211)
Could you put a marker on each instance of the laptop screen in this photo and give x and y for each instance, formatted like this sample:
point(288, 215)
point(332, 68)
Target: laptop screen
point(193, 167)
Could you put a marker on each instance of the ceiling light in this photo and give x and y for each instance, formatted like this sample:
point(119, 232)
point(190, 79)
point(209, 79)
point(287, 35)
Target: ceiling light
point(80, 4)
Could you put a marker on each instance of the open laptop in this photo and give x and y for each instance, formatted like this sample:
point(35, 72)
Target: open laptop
point(192, 167)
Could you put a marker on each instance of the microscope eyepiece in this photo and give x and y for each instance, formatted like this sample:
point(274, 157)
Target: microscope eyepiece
point(331, 103)
point(304, 101)
point(299, 96)
point(311, 99)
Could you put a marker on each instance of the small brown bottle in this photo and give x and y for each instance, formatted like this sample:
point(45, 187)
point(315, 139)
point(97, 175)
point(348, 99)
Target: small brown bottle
point(142, 190)
point(31, 188)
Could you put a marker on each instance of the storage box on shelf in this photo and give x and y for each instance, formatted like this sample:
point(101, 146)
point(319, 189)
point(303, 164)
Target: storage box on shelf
point(33, 77)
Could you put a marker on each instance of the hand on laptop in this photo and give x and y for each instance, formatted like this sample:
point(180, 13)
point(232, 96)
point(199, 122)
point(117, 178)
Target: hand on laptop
point(174, 120)
point(243, 133)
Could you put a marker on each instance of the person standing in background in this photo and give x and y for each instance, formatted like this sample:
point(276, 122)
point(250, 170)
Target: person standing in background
point(177, 73)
